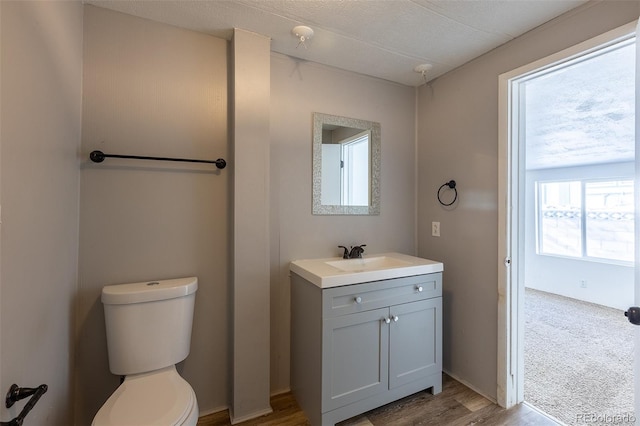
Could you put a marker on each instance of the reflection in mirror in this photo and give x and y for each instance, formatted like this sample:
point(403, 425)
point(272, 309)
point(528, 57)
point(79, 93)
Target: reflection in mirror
point(345, 171)
point(346, 165)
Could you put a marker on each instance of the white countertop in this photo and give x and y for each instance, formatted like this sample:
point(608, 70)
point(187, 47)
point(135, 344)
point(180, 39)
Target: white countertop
point(335, 271)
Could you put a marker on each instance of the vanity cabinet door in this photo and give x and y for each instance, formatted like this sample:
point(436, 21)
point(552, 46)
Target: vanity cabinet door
point(355, 357)
point(415, 350)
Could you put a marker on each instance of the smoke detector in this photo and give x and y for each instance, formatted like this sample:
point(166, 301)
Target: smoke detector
point(423, 69)
point(302, 33)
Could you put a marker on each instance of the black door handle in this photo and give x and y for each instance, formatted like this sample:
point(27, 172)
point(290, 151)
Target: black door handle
point(633, 314)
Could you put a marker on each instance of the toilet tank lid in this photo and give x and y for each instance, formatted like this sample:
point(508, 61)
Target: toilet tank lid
point(148, 291)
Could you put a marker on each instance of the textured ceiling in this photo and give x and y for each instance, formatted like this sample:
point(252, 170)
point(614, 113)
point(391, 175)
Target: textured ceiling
point(583, 113)
point(380, 38)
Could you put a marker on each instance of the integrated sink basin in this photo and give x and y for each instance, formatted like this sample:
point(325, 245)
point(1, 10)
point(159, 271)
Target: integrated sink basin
point(335, 271)
point(367, 263)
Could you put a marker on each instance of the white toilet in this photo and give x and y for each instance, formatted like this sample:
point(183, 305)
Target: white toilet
point(148, 332)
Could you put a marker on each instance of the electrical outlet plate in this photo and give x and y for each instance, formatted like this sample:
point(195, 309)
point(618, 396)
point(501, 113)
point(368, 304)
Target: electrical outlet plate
point(435, 229)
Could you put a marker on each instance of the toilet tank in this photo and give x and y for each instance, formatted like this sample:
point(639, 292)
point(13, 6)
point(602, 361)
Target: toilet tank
point(148, 324)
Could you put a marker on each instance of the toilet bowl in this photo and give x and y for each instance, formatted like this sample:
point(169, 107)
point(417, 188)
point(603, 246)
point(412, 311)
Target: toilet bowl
point(148, 328)
point(159, 398)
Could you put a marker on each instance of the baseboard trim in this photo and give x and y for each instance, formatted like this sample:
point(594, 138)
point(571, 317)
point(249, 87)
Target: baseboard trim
point(226, 407)
point(235, 420)
point(470, 386)
point(203, 413)
point(542, 413)
point(280, 392)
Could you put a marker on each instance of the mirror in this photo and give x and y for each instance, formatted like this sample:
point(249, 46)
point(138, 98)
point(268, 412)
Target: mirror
point(346, 166)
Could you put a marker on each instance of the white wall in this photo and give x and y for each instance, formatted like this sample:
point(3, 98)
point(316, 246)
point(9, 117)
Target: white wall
point(153, 89)
point(607, 284)
point(298, 89)
point(458, 139)
point(40, 112)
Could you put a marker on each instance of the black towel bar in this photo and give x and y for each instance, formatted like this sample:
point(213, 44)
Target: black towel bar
point(99, 156)
point(17, 393)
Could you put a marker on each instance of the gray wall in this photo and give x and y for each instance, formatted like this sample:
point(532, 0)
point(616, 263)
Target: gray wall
point(153, 89)
point(458, 139)
point(143, 93)
point(298, 89)
point(250, 383)
point(40, 104)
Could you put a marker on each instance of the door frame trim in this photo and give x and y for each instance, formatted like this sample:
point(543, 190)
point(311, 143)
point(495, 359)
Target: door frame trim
point(510, 378)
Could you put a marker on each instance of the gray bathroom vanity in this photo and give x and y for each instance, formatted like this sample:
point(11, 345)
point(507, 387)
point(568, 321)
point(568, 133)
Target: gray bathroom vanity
point(364, 332)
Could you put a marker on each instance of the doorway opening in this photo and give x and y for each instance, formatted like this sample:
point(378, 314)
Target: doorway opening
point(567, 179)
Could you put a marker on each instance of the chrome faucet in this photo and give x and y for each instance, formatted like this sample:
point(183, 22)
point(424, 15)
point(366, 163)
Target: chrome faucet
point(355, 253)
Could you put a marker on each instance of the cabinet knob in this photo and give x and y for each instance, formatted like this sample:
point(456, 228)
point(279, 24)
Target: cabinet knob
point(395, 318)
point(358, 299)
point(387, 320)
point(419, 288)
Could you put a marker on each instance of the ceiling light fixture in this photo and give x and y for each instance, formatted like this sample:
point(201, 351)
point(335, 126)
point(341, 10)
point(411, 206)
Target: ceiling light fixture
point(303, 33)
point(423, 69)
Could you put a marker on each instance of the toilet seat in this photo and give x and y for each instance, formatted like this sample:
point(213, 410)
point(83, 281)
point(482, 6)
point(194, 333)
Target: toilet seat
point(160, 397)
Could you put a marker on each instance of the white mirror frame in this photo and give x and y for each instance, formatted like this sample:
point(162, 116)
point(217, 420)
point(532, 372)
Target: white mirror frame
point(374, 200)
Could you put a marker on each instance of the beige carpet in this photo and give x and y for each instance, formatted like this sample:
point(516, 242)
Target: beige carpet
point(578, 360)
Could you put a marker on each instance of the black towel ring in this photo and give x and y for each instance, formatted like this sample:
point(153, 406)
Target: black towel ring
point(451, 184)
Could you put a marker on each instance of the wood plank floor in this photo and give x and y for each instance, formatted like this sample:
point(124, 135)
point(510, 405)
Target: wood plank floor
point(457, 405)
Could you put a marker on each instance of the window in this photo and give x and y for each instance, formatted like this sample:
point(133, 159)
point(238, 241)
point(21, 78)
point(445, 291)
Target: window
point(560, 218)
point(609, 220)
point(591, 219)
